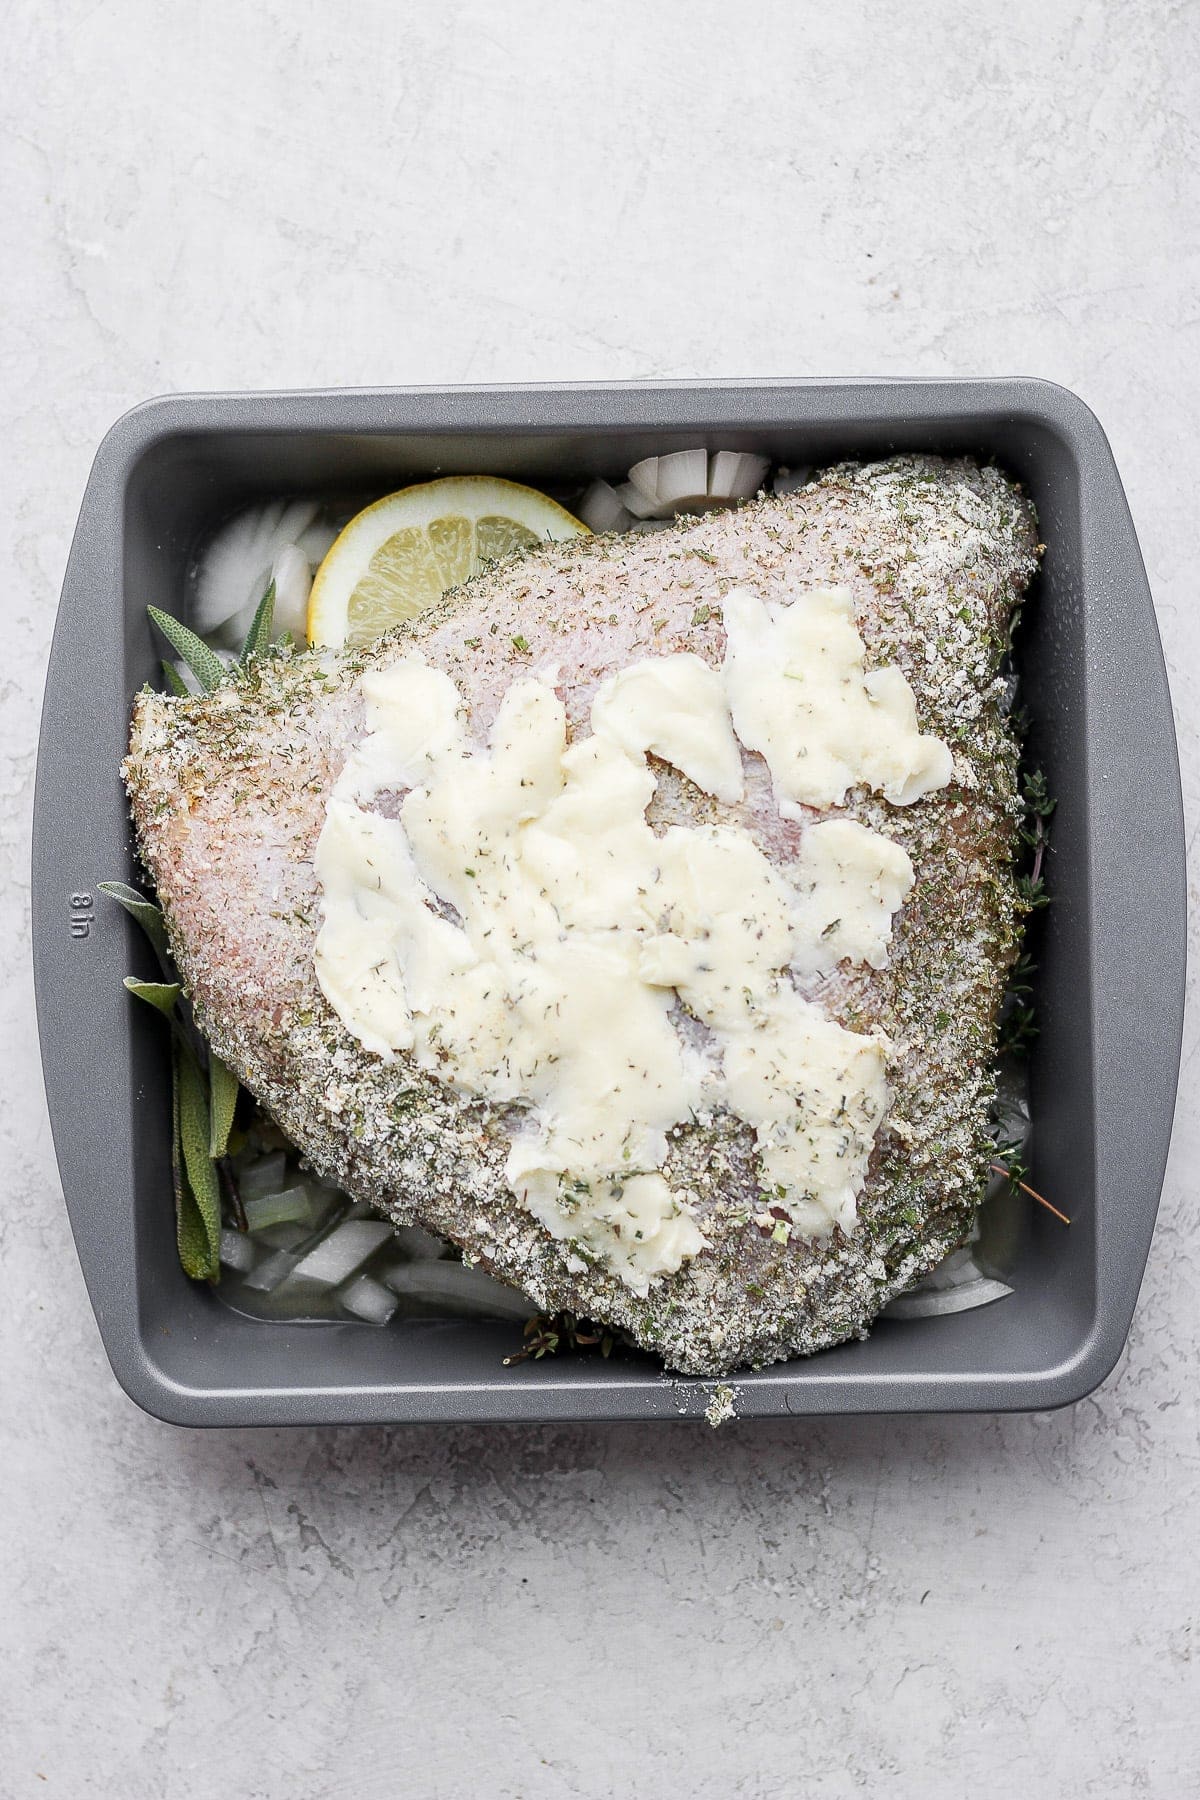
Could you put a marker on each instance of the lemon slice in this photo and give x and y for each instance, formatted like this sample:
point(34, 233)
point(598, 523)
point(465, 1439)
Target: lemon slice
point(401, 554)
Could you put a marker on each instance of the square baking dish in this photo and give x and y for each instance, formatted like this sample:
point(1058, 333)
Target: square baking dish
point(1111, 976)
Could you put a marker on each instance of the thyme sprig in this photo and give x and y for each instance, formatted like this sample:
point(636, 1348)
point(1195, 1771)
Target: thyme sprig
point(1018, 1028)
point(1035, 835)
point(1014, 1170)
point(1018, 1025)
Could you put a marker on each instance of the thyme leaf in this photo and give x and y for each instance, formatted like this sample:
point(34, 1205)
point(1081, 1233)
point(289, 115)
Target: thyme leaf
point(1015, 1173)
point(1018, 1025)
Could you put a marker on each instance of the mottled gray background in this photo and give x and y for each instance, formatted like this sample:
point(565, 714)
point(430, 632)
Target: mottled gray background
point(310, 194)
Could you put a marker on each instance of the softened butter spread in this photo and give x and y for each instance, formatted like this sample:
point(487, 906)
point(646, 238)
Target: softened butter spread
point(507, 916)
point(801, 697)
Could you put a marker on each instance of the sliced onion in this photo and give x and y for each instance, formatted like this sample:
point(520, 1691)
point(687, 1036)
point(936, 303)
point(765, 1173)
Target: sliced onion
point(957, 1284)
point(272, 1272)
point(452, 1287)
point(290, 1205)
point(955, 1270)
point(265, 1175)
point(929, 1303)
point(643, 479)
point(236, 568)
point(691, 481)
point(368, 1299)
point(290, 1236)
point(790, 481)
point(601, 510)
point(675, 482)
point(238, 1252)
point(292, 575)
point(339, 1255)
point(419, 1246)
point(635, 502)
point(735, 474)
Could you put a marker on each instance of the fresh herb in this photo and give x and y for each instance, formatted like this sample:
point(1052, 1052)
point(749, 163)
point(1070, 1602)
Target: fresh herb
point(204, 1097)
point(258, 637)
point(148, 916)
point(223, 1099)
point(191, 1232)
point(204, 663)
point(548, 1333)
point(1011, 1165)
point(195, 1135)
point(1018, 1029)
point(1018, 1024)
point(1020, 981)
point(520, 644)
point(1035, 834)
point(201, 659)
point(161, 995)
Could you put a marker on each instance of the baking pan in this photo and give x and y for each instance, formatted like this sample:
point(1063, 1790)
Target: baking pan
point(1111, 979)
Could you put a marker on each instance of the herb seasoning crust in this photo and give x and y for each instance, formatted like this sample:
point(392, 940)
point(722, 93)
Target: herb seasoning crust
point(229, 790)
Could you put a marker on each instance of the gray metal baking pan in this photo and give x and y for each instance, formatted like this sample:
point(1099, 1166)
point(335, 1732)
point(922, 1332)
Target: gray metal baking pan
point(1112, 970)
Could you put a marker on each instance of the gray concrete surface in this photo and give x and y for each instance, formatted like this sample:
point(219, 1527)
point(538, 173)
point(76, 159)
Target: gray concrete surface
point(263, 195)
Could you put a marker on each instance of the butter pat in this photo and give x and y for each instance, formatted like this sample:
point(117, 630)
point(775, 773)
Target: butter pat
point(800, 695)
point(848, 883)
point(674, 706)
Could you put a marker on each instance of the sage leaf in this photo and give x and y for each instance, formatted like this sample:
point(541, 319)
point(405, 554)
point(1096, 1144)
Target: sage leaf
point(191, 1231)
point(148, 916)
point(159, 994)
point(174, 680)
point(223, 1090)
point(195, 1133)
point(259, 634)
point(204, 663)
